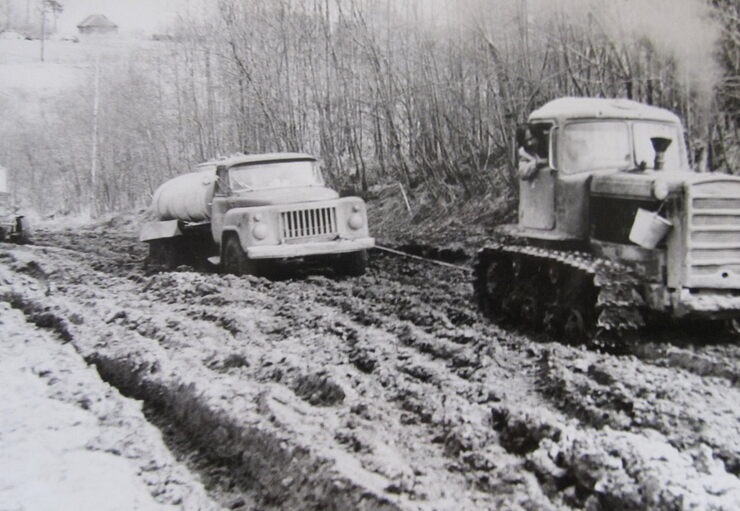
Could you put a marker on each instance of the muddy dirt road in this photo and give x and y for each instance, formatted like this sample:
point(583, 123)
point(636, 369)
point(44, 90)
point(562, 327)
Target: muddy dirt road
point(382, 392)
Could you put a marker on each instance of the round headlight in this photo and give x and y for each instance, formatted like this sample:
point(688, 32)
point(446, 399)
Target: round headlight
point(355, 221)
point(660, 190)
point(259, 231)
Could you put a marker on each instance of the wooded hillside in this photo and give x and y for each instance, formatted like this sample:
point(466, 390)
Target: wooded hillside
point(422, 92)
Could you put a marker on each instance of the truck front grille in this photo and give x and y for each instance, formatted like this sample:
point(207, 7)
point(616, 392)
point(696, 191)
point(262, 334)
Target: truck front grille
point(308, 223)
point(714, 234)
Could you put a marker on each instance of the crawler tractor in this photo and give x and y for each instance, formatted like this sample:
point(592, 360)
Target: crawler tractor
point(614, 229)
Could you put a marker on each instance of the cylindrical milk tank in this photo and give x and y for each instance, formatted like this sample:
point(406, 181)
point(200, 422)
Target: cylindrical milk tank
point(186, 197)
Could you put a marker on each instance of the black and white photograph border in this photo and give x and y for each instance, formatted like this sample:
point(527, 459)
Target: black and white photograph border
point(369, 254)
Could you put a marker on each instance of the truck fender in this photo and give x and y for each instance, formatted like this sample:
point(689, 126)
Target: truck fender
point(236, 221)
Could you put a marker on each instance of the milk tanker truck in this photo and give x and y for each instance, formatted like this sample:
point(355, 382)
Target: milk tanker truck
point(248, 212)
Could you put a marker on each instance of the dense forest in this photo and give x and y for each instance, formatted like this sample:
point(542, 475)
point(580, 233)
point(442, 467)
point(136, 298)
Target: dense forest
point(422, 92)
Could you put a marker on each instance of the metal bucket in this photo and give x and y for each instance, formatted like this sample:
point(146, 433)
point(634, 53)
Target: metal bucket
point(649, 228)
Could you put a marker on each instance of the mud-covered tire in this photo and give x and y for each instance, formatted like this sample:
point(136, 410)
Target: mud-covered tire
point(352, 264)
point(235, 260)
point(23, 231)
point(732, 328)
point(165, 253)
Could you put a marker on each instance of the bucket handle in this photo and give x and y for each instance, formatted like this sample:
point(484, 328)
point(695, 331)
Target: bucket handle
point(660, 208)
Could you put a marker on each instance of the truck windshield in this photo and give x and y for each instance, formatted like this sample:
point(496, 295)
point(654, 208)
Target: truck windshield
point(279, 174)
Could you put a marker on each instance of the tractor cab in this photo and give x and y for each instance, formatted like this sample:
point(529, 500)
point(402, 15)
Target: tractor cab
point(569, 142)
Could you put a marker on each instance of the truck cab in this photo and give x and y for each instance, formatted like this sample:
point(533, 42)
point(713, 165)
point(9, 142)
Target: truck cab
point(260, 208)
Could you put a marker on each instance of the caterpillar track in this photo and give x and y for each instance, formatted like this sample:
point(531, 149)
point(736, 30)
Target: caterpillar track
point(572, 296)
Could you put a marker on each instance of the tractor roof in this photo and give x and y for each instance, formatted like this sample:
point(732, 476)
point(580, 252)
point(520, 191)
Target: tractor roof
point(592, 108)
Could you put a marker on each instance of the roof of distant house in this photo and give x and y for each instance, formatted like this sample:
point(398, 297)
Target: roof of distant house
point(97, 20)
point(10, 35)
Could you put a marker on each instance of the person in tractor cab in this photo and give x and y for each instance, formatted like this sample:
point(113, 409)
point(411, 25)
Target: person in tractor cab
point(532, 152)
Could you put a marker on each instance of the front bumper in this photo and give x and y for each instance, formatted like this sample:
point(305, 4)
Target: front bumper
point(309, 249)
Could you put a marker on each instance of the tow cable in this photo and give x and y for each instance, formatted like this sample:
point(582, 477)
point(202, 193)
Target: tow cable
point(426, 259)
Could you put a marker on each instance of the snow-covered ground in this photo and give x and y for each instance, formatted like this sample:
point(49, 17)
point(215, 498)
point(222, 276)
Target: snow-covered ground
point(70, 441)
point(27, 84)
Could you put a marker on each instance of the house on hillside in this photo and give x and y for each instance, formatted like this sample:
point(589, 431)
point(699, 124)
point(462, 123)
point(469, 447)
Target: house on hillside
point(97, 24)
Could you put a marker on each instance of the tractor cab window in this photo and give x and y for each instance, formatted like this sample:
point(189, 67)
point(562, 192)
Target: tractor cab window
point(278, 174)
point(533, 142)
point(596, 145)
point(645, 131)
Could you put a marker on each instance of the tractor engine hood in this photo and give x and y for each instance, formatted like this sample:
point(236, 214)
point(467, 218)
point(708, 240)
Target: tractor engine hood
point(281, 196)
point(645, 185)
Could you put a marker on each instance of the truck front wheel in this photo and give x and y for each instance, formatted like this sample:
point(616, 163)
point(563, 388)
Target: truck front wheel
point(23, 231)
point(165, 253)
point(732, 327)
point(235, 261)
point(352, 264)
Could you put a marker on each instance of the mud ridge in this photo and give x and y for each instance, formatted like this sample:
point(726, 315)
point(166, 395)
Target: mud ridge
point(702, 361)
point(260, 454)
point(603, 396)
point(615, 470)
point(42, 316)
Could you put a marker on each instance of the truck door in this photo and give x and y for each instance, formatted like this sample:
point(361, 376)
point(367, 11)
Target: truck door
point(536, 183)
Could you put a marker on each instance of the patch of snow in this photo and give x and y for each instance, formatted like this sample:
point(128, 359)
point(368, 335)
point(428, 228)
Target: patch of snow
point(69, 441)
